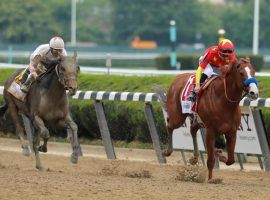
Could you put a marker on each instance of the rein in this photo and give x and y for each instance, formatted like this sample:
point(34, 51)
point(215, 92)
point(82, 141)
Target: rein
point(49, 70)
point(225, 89)
point(228, 98)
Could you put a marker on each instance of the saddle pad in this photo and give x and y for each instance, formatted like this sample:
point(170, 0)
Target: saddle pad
point(15, 90)
point(187, 105)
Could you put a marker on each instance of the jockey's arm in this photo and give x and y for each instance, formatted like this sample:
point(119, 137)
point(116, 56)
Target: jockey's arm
point(34, 60)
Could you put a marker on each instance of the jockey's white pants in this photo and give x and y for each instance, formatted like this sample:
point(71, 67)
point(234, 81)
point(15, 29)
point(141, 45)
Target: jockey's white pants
point(211, 70)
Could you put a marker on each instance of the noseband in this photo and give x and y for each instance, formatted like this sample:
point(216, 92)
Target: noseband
point(244, 88)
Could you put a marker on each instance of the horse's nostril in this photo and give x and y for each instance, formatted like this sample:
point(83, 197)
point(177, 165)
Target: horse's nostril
point(251, 93)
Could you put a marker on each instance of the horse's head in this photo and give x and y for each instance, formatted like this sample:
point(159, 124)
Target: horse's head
point(68, 71)
point(245, 72)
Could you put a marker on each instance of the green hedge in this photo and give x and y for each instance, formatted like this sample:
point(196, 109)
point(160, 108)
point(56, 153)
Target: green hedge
point(190, 62)
point(126, 120)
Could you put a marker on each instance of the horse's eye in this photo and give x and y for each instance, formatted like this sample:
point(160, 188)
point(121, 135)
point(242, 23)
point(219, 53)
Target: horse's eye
point(241, 73)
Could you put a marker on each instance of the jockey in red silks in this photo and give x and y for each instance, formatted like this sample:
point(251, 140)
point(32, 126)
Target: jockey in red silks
point(210, 62)
point(45, 52)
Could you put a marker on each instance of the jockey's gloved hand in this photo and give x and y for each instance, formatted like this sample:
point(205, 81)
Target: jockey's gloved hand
point(197, 87)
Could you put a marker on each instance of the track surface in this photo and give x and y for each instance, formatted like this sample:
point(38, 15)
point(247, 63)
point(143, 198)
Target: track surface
point(135, 175)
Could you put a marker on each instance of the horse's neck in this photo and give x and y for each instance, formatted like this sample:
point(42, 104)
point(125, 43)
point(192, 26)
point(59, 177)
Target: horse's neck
point(233, 91)
point(52, 85)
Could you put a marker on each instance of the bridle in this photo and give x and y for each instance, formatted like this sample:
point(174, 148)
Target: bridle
point(57, 67)
point(244, 88)
point(228, 98)
point(61, 78)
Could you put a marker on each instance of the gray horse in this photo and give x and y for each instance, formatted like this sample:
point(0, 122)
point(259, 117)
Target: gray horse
point(46, 103)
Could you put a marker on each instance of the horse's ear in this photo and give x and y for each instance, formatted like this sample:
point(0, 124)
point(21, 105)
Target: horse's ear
point(75, 55)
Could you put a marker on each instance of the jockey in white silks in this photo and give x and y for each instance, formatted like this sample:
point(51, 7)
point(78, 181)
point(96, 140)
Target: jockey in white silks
point(45, 52)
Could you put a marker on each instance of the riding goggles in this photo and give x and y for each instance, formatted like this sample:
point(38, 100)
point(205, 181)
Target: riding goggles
point(226, 51)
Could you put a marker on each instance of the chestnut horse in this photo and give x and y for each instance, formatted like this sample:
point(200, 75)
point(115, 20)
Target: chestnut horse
point(46, 104)
point(218, 108)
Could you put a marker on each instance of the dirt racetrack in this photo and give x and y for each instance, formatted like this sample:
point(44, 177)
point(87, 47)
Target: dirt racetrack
point(135, 175)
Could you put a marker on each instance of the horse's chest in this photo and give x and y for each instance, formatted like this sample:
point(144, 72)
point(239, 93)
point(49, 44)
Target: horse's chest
point(229, 123)
point(52, 110)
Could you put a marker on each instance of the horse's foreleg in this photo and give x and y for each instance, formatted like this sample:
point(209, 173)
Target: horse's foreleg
point(169, 150)
point(43, 147)
point(44, 133)
point(210, 146)
point(230, 142)
point(19, 128)
point(193, 130)
point(38, 122)
point(72, 129)
point(36, 141)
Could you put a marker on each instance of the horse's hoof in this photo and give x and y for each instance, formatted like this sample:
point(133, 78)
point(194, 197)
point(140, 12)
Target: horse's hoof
point(40, 168)
point(42, 148)
point(26, 151)
point(74, 159)
point(229, 162)
point(221, 157)
point(79, 152)
point(215, 181)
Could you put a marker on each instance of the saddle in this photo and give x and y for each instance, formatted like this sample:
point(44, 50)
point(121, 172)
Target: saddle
point(189, 106)
point(15, 87)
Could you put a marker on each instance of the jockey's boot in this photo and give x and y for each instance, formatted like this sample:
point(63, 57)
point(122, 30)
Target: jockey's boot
point(192, 96)
point(26, 85)
point(203, 78)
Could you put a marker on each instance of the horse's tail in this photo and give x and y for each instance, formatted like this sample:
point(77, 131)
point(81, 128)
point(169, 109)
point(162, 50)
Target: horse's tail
point(162, 96)
point(3, 110)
